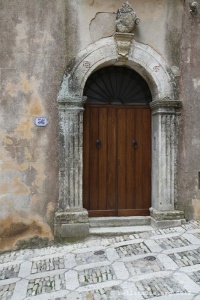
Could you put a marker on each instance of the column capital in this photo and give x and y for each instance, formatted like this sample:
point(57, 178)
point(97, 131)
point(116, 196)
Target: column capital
point(166, 106)
point(75, 101)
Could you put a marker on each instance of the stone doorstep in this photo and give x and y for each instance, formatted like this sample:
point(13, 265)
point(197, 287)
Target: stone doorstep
point(119, 221)
point(109, 226)
point(118, 230)
point(75, 223)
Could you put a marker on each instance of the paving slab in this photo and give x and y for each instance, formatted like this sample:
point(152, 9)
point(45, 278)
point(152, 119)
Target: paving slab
point(162, 264)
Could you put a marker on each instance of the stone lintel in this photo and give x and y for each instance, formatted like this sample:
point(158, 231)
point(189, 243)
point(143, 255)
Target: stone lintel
point(72, 223)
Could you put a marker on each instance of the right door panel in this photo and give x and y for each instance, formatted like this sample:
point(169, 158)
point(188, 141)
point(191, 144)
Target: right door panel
point(134, 161)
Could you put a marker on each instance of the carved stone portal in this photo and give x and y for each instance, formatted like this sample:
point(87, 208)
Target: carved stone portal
point(71, 219)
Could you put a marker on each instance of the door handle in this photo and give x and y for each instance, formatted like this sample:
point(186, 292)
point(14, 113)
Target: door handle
point(134, 144)
point(98, 144)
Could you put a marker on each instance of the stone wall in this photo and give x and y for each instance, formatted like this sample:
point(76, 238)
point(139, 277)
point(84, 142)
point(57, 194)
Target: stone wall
point(189, 160)
point(32, 61)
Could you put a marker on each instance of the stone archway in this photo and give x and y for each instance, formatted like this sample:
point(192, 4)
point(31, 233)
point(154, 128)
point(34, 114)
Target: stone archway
point(71, 219)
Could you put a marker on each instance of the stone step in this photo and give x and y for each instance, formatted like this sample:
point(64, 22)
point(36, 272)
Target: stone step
point(119, 221)
point(119, 230)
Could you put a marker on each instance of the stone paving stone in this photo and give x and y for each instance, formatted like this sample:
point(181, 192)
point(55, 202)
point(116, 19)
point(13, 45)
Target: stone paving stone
point(10, 271)
point(185, 281)
point(6, 291)
point(90, 257)
point(45, 285)
point(197, 235)
point(167, 231)
point(132, 249)
point(157, 287)
point(90, 276)
point(111, 293)
point(191, 225)
point(143, 266)
point(186, 258)
point(195, 276)
point(48, 265)
point(173, 242)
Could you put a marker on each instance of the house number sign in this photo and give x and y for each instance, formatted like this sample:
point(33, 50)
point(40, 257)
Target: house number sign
point(41, 121)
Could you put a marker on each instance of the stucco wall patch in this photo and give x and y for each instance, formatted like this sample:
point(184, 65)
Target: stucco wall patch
point(196, 83)
point(98, 29)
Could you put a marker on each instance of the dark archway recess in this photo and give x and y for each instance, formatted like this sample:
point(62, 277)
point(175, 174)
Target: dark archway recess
point(117, 85)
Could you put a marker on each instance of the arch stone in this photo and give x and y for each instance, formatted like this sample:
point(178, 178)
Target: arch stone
point(142, 58)
point(71, 219)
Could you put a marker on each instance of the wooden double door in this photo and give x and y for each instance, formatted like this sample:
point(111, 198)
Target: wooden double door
point(117, 160)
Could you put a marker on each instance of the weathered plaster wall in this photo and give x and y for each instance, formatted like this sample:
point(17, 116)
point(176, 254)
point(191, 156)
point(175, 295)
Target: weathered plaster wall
point(34, 51)
point(189, 162)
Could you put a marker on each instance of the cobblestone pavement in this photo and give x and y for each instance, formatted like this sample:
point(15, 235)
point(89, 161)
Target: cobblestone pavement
point(160, 264)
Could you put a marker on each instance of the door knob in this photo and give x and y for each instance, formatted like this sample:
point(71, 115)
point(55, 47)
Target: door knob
point(134, 144)
point(98, 144)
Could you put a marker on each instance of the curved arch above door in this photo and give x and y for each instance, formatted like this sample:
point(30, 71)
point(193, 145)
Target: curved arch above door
point(142, 58)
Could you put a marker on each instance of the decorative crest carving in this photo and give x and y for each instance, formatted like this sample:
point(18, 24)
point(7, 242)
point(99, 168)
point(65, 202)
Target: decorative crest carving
point(123, 43)
point(126, 19)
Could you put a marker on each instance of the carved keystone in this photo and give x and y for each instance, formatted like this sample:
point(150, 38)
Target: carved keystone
point(123, 44)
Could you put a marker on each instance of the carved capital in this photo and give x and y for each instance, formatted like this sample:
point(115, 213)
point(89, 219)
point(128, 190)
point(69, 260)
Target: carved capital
point(73, 102)
point(166, 106)
point(123, 44)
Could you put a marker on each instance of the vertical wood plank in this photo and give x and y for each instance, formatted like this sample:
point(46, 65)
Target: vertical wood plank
point(103, 118)
point(121, 159)
point(86, 158)
point(94, 159)
point(139, 158)
point(111, 159)
point(129, 156)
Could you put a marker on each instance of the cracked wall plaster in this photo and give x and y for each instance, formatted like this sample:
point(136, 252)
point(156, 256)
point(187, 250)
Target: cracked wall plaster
point(98, 29)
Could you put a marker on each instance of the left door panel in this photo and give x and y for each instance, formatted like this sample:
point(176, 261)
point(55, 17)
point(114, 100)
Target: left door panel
point(99, 161)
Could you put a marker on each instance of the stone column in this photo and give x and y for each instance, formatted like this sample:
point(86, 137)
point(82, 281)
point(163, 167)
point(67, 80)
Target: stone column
point(165, 134)
point(71, 220)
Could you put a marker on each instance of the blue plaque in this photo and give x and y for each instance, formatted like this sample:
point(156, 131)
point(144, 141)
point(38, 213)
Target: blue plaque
point(41, 121)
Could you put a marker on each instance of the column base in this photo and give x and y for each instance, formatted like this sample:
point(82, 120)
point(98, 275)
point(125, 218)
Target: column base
point(72, 223)
point(164, 219)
